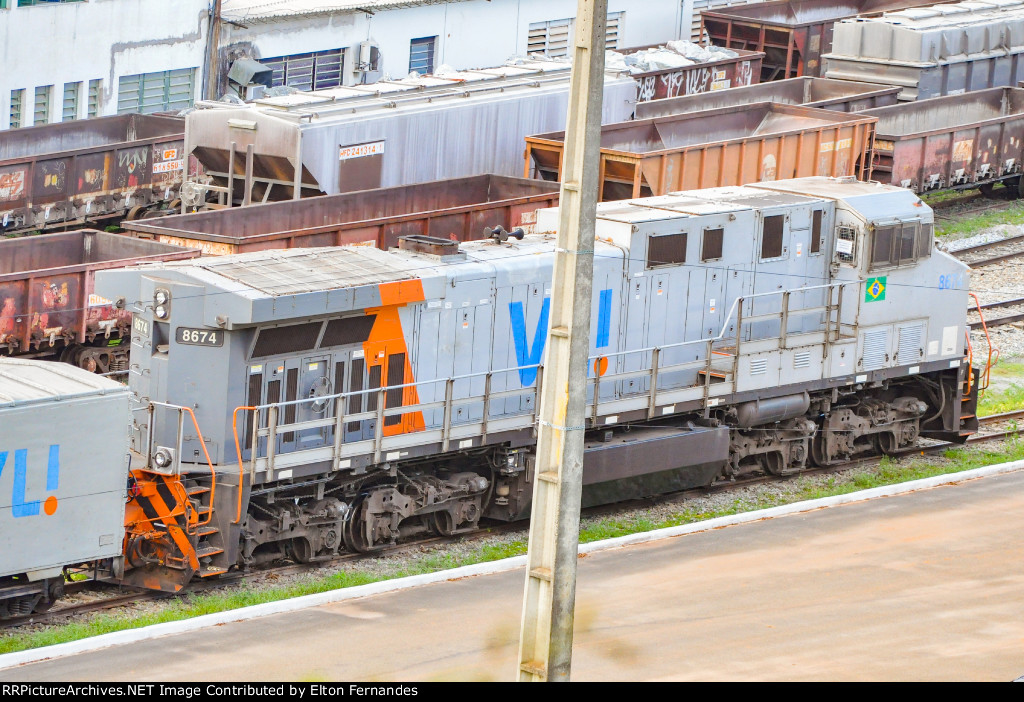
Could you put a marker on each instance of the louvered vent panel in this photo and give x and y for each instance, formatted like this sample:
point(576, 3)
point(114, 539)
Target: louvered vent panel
point(910, 344)
point(758, 366)
point(802, 359)
point(876, 341)
point(276, 341)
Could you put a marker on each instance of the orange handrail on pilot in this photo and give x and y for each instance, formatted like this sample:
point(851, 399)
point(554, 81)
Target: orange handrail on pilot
point(988, 340)
point(238, 452)
point(213, 473)
point(970, 363)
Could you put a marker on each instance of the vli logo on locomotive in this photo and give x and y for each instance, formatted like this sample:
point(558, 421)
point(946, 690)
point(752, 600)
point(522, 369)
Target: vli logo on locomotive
point(20, 507)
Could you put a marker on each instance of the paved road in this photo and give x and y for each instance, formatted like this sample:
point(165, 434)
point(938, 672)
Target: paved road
point(924, 586)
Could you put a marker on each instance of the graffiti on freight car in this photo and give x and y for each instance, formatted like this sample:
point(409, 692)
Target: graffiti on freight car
point(91, 178)
point(49, 304)
point(744, 74)
point(90, 173)
point(768, 167)
point(131, 167)
point(132, 159)
point(697, 81)
point(12, 185)
point(645, 89)
point(962, 151)
point(51, 177)
point(673, 83)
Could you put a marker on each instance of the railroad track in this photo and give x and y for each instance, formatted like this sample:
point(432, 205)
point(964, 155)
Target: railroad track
point(135, 597)
point(1011, 310)
point(992, 252)
point(970, 204)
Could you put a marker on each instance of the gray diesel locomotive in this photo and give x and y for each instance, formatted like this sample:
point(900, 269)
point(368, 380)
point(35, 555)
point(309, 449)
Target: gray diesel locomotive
point(300, 402)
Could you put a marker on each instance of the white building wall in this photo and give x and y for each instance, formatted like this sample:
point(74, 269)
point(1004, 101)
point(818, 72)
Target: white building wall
point(471, 34)
point(58, 43)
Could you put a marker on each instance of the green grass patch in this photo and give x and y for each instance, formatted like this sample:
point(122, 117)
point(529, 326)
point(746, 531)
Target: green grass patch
point(999, 401)
point(887, 472)
point(1012, 214)
point(934, 198)
point(1000, 396)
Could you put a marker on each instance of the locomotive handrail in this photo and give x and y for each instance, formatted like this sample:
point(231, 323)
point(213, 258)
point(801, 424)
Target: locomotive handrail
point(268, 426)
point(238, 452)
point(177, 456)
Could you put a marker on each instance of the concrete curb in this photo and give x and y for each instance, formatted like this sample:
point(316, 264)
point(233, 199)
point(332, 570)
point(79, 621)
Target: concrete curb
point(10, 660)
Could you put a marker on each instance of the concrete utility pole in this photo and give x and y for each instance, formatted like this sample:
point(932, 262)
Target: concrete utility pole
point(545, 643)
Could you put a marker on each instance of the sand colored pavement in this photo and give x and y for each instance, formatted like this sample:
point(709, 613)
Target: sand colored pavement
point(923, 586)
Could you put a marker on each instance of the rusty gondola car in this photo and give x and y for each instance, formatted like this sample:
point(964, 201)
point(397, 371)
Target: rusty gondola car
point(84, 172)
point(48, 307)
point(957, 141)
point(454, 208)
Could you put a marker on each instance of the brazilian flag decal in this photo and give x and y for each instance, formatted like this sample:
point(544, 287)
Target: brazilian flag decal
point(874, 290)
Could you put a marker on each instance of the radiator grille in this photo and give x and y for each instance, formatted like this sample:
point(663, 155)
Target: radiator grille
point(876, 341)
point(758, 366)
point(275, 341)
point(910, 344)
point(802, 359)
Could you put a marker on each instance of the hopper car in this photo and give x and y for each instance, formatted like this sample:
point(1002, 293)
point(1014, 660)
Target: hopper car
point(793, 34)
point(928, 52)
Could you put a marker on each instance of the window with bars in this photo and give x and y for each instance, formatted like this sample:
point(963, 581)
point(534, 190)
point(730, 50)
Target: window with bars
point(314, 71)
point(162, 91)
point(41, 111)
point(552, 38)
point(666, 249)
point(900, 244)
point(421, 55)
point(93, 108)
point(17, 105)
point(72, 94)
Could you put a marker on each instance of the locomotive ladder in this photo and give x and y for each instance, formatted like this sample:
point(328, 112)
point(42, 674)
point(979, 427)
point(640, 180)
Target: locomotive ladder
point(971, 383)
point(175, 536)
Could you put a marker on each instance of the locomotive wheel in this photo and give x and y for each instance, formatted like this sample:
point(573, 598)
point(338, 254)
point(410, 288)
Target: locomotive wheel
point(818, 450)
point(354, 532)
point(775, 465)
point(300, 549)
point(886, 443)
point(441, 523)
